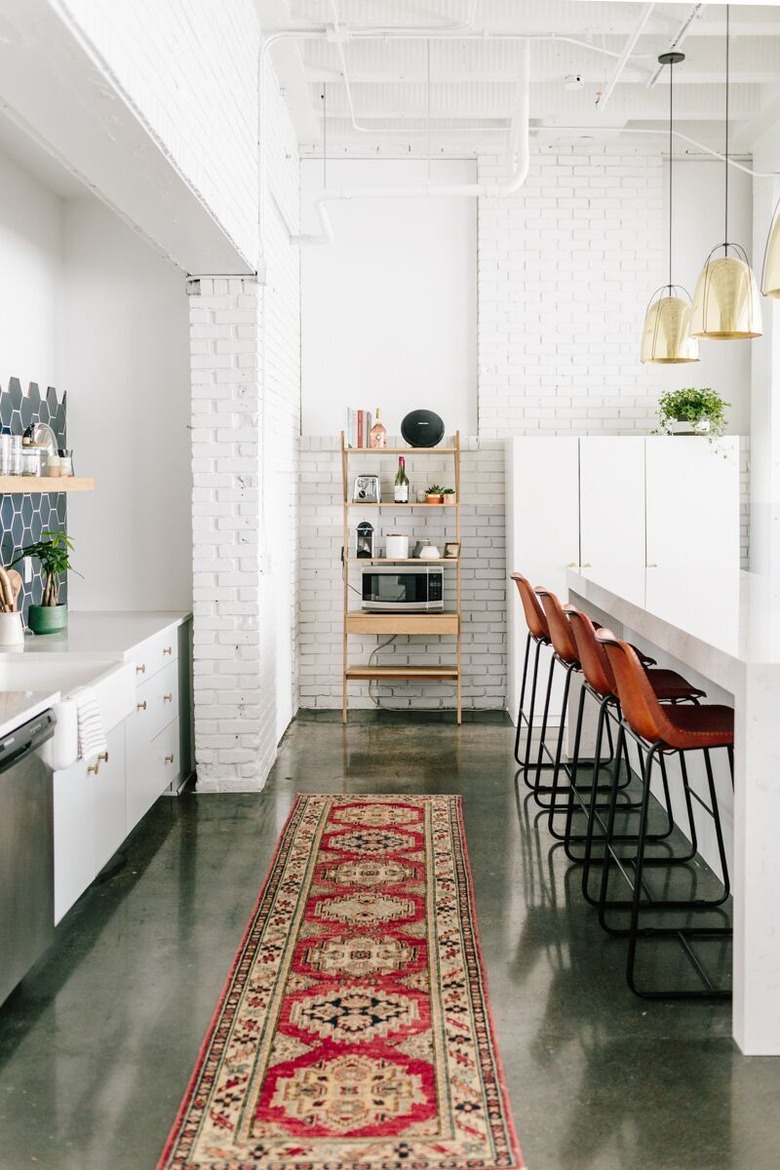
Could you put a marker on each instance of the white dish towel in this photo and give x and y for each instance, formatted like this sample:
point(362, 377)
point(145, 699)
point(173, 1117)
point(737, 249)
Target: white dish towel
point(89, 720)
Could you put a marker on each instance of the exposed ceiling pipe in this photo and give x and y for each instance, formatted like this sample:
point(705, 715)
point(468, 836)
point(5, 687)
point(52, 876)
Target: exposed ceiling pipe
point(421, 31)
point(677, 40)
point(624, 58)
point(580, 130)
point(431, 190)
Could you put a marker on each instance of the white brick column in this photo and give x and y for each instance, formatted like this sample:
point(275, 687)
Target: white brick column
point(232, 747)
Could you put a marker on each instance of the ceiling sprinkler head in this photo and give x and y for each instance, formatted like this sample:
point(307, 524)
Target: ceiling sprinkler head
point(573, 81)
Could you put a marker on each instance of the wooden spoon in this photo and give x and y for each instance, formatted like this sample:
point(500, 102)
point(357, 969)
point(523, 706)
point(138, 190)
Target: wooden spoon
point(16, 585)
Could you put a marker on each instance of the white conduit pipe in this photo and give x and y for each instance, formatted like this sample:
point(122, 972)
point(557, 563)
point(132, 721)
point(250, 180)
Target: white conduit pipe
point(431, 190)
point(580, 130)
point(623, 60)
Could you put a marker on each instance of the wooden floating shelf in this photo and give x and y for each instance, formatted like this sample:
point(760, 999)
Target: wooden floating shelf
point(400, 450)
point(426, 672)
point(402, 560)
point(23, 485)
point(402, 623)
point(366, 504)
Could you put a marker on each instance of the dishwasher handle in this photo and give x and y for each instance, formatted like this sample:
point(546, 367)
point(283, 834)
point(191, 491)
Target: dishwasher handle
point(26, 738)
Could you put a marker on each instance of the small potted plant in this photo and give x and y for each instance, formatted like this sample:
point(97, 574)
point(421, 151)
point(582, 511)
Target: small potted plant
point(435, 494)
point(52, 550)
point(692, 411)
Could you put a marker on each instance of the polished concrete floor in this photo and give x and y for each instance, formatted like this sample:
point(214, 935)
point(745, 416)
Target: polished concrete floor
point(97, 1044)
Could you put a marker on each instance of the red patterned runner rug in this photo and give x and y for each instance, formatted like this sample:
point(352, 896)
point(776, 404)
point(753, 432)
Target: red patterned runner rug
point(354, 1032)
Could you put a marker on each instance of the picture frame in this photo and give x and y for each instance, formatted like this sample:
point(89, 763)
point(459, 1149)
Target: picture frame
point(452, 549)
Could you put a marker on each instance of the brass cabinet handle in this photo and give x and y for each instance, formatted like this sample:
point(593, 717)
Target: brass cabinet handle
point(141, 668)
point(141, 706)
point(93, 768)
point(168, 698)
point(103, 757)
point(167, 649)
point(169, 759)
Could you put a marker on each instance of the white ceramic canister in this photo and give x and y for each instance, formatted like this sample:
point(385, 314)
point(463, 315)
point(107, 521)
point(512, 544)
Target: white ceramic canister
point(11, 629)
point(396, 547)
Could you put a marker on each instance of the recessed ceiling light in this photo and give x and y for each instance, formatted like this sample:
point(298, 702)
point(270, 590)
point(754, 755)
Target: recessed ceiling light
point(573, 81)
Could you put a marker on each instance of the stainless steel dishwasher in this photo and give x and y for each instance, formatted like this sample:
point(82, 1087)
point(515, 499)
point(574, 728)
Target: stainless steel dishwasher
point(26, 850)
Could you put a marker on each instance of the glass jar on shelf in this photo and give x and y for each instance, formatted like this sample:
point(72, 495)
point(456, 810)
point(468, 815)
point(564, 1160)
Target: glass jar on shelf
point(31, 461)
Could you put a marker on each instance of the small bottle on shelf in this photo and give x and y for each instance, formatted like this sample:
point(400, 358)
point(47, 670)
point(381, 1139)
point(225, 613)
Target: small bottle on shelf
point(378, 434)
point(401, 483)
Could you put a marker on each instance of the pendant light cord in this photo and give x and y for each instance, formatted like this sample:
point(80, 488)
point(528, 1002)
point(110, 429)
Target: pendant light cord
point(726, 201)
point(671, 93)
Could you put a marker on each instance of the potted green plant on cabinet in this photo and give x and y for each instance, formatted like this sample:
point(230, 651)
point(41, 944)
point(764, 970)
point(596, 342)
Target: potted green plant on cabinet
point(692, 411)
point(52, 550)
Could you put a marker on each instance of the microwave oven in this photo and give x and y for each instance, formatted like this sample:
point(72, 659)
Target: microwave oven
point(403, 587)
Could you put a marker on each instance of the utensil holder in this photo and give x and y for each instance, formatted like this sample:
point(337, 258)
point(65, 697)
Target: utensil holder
point(11, 629)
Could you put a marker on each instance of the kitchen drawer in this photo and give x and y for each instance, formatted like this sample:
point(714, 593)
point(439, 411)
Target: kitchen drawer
point(151, 767)
point(156, 703)
point(155, 653)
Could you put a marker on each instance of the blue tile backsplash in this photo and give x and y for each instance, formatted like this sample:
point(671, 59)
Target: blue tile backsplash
point(24, 517)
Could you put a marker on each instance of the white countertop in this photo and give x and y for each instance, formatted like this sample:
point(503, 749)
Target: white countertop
point(16, 707)
point(103, 634)
point(734, 614)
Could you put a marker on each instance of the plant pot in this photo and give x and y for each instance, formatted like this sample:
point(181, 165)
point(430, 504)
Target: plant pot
point(681, 426)
point(11, 629)
point(434, 499)
point(47, 619)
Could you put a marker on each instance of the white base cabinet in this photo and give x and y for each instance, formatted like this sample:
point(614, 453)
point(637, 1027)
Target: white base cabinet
point(89, 820)
point(98, 802)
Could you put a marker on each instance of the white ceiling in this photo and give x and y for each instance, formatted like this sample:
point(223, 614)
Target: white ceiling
point(440, 76)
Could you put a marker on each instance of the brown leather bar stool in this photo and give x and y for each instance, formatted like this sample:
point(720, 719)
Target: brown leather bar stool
point(598, 681)
point(662, 731)
point(538, 636)
point(566, 655)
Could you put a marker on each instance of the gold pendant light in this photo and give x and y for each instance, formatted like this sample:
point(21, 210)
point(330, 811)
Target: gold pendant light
point(666, 338)
point(726, 302)
point(770, 277)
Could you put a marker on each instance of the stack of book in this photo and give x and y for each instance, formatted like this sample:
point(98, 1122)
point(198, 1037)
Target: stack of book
point(358, 427)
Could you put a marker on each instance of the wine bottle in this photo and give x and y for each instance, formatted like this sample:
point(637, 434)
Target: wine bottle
point(401, 483)
point(378, 434)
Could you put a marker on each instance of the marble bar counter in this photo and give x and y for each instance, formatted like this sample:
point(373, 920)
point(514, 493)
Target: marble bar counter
point(725, 625)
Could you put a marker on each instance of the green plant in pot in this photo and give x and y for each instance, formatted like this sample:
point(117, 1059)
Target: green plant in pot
point(52, 550)
point(692, 410)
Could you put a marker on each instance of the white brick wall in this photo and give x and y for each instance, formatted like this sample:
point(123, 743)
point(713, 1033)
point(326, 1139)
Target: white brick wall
point(563, 272)
point(483, 575)
point(245, 344)
point(189, 69)
point(233, 743)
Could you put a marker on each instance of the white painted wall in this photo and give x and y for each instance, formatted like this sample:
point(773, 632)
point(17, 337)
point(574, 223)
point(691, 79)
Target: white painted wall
point(30, 278)
point(389, 309)
point(125, 365)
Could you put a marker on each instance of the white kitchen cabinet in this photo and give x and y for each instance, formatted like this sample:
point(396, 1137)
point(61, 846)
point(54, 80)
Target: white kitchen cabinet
point(671, 501)
point(111, 826)
point(148, 753)
point(692, 502)
point(612, 500)
point(89, 820)
point(542, 532)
